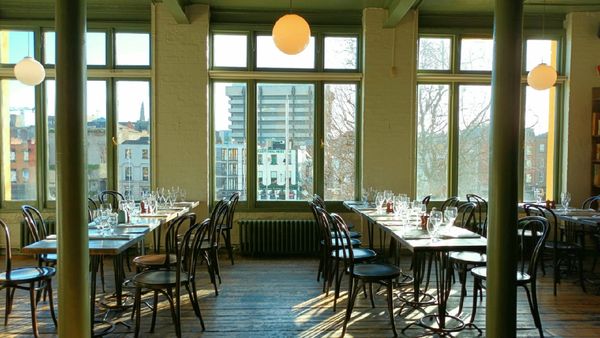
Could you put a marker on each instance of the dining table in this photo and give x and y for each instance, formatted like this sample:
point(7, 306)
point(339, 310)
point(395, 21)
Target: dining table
point(421, 245)
point(114, 243)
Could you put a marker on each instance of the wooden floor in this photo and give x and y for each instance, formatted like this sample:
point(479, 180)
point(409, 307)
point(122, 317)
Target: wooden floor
point(281, 298)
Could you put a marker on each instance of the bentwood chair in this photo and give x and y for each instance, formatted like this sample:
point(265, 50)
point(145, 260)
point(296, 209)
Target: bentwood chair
point(337, 257)
point(33, 279)
point(38, 230)
point(532, 234)
point(367, 273)
point(328, 244)
point(111, 196)
point(169, 258)
point(169, 280)
point(450, 202)
point(426, 201)
point(209, 248)
point(565, 246)
point(592, 202)
point(226, 227)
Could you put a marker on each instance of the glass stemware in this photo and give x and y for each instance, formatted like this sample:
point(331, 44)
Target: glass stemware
point(565, 199)
point(450, 214)
point(379, 199)
point(433, 224)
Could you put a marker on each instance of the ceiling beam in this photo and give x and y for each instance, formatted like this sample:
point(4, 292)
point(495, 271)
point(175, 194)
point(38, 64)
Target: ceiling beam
point(397, 9)
point(177, 10)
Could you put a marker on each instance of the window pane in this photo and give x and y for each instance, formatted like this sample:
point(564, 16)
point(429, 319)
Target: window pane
point(96, 138)
point(18, 111)
point(434, 53)
point(133, 135)
point(476, 54)
point(340, 141)
point(341, 52)
point(15, 45)
point(539, 51)
point(95, 48)
point(473, 139)
point(539, 142)
point(432, 141)
point(268, 56)
point(229, 102)
point(230, 50)
point(285, 115)
point(132, 49)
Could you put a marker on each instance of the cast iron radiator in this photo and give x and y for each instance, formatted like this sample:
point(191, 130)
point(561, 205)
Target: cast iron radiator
point(279, 237)
point(26, 238)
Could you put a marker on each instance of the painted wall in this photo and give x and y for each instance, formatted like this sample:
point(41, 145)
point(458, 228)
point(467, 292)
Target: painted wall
point(389, 60)
point(583, 55)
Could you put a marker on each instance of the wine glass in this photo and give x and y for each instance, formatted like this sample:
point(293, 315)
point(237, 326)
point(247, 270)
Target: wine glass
point(379, 201)
point(539, 195)
point(450, 215)
point(565, 198)
point(433, 224)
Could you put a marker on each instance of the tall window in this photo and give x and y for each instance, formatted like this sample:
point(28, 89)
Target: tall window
point(302, 132)
point(108, 100)
point(453, 124)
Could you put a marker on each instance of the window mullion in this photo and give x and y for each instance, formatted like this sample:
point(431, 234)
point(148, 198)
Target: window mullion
point(251, 142)
point(453, 134)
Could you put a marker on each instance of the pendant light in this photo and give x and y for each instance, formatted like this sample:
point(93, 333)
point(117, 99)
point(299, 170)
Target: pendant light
point(29, 71)
point(542, 76)
point(291, 33)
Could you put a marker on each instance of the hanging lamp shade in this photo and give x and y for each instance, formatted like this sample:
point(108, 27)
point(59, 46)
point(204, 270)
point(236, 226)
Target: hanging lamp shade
point(542, 77)
point(291, 34)
point(29, 71)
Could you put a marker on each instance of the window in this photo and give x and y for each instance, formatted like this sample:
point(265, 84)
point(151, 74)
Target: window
point(341, 52)
point(286, 118)
point(432, 140)
point(97, 156)
point(15, 44)
point(453, 119)
point(229, 100)
point(145, 174)
point(340, 141)
point(133, 132)
point(13, 175)
point(95, 43)
point(269, 56)
point(285, 113)
point(26, 156)
point(434, 53)
point(476, 54)
point(18, 111)
point(145, 154)
point(230, 50)
point(132, 49)
point(25, 173)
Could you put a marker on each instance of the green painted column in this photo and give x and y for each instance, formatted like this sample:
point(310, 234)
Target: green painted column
point(71, 201)
point(501, 315)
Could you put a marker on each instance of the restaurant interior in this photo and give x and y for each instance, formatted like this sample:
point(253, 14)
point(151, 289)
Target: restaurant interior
point(299, 168)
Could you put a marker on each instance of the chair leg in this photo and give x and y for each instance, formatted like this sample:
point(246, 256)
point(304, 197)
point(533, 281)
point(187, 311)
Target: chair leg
point(102, 273)
point(173, 312)
point(390, 305)
point(154, 310)
point(476, 285)
point(227, 236)
point(137, 310)
point(8, 305)
point(532, 298)
point(51, 301)
point(32, 301)
point(462, 278)
point(371, 293)
point(338, 279)
point(580, 268)
point(350, 306)
point(195, 303)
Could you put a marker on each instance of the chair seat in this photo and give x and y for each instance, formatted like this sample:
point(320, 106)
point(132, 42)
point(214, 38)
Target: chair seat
point(154, 260)
point(560, 245)
point(376, 271)
point(335, 242)
point(481, 273)
point(359, 254)
point(26, 275)
point(353, 234)
point(468, 257)
point(50, 257)
point(157, 278)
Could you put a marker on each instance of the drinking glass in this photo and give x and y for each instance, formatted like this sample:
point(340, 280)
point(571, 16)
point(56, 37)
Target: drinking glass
point(450, 215)
point(379, 199)
point(565, 199)
point(433, 224)
point(539, 195)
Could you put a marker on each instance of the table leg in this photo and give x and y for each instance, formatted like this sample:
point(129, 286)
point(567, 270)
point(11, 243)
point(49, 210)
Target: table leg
point(416, 298)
